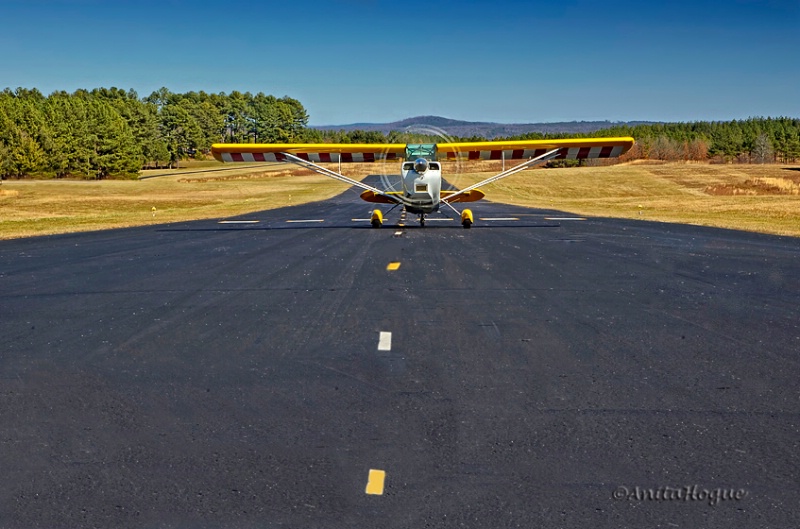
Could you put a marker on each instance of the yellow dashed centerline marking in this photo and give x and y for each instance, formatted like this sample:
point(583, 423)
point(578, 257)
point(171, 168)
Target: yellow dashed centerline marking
point(393, 266)
point(375, 482)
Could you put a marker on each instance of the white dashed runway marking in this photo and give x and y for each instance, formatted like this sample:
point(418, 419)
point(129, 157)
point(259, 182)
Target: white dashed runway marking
point(385, 341)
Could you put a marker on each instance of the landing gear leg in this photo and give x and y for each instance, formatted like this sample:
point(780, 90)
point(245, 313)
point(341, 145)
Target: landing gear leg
point(422, 220)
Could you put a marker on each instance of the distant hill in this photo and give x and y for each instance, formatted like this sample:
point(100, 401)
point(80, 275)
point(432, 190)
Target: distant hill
point(456, 127)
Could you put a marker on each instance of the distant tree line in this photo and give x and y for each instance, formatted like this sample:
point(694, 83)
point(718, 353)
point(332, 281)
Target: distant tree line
point(112, 132)
point(754, 140)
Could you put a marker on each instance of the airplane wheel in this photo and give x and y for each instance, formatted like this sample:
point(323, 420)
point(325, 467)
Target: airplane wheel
point(377, 218)
point(466, 219)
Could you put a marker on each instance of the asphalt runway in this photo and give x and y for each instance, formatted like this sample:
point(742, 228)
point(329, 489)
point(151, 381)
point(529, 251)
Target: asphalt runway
point(538, 372)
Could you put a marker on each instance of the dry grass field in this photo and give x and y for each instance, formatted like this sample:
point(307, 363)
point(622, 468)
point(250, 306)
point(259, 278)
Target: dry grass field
point(764, 198)
point(761, 198)
point(39, 207)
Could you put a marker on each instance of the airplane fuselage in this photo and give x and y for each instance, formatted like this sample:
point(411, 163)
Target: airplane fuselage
point(422, 186)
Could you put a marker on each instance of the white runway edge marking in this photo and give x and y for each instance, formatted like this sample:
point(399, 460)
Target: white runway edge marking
point(499, 218)
point(564, 218)
point(239, 221)
point(307, 220)
point(385, 341)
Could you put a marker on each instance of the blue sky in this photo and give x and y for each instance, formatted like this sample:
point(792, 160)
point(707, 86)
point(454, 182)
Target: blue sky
point(373, 61)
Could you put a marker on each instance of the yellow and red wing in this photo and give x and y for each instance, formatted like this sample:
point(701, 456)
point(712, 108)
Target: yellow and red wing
point(570, 149)
point(312, 152)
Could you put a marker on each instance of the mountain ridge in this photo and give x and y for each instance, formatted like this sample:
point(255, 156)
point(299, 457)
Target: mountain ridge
point(485, 129)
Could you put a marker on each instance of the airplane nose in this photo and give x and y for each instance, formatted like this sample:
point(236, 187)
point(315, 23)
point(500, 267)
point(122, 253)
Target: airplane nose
point(420, 165)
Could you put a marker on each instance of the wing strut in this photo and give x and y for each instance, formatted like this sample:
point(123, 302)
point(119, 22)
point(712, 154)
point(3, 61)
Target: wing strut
point(549, 155)
point(337, 176)
point(450, 206)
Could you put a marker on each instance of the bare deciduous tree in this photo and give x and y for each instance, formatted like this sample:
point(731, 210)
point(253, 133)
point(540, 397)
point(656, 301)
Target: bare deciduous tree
point(762, 149)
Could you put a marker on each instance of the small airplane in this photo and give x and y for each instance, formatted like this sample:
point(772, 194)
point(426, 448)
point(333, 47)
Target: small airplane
point(421, 170)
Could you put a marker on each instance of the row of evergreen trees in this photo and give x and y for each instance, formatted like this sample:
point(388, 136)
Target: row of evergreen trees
point(754, 140)
point(112, 132)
